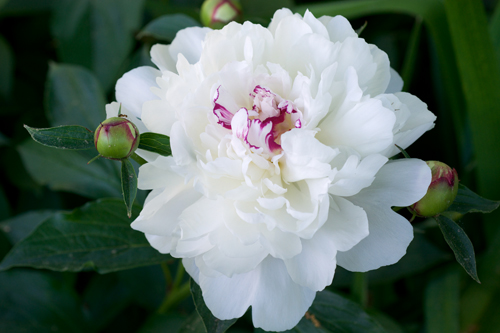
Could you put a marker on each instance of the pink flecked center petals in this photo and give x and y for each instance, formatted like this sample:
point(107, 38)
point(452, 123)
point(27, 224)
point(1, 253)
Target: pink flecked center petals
point(262, 126)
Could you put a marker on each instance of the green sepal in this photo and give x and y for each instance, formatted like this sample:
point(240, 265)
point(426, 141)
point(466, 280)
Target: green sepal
point(405, 154)
point(156, 143)
point(129, 185)
point(461, 245)
point(63, 137)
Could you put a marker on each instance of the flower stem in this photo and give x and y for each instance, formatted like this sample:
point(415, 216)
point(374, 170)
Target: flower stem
point(179, 275)
point(174, 296)
point(359, 289)
point(167, 274)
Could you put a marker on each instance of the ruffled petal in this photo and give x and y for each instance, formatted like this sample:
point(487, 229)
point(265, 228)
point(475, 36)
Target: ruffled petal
point(305, 157)
point(133, 89)
point(189, 42)
point(277, 302)
point(395, 84)
point(398, 183)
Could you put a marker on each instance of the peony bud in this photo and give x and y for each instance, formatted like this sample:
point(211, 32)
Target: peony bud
point(116, 138)
point(441, 193)
point(217, 13)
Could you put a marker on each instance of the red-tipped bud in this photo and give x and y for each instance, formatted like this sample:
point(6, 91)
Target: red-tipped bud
point(116, 138)
point(441, 193)
point(217, 13)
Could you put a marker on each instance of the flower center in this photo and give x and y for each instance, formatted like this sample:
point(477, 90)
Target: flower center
point(260, 127)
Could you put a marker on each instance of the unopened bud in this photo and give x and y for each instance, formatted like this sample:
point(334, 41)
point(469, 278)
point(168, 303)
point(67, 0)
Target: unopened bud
point(441, 192)
point(217, 13)
point(116, 138)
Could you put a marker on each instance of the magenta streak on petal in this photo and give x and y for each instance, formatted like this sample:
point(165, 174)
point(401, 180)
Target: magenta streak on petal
point(222, 113)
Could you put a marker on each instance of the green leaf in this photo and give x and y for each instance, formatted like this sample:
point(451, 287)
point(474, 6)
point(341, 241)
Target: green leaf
point(2, 3)
point(333, 313)
point(73, 96)
point(36, 301)
point(412, 51)
point(69, 171)
point(97, 235)
point(6, 67)
point(193, 324)
point(4, 205)
point(480, 77)
point(20, 226)
point(166, 27)
point(98, 35)
point(495, 30)
point(63, 137)
point(4, 141)
point(460, 244)
point(169, 322)
point(469, 202)
point(212, 324)
point(442, 304)
point(129, 185)
point(156, 143)
point(104, 298)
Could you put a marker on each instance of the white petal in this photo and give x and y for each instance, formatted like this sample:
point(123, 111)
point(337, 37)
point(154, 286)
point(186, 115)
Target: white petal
point(315, 266)
point(347, 224)
point(279, 303)
point(161, 243)
point(356, 175)
point(390, 235)
point(365, 127)
point(182, 148)
point(160, 55)
point(160, 214)
point(339, 28)
point(315, 24)
point(190, 266)
point(157, 174)
point(399, 183)
point(395, 84)
point(133, 89)
point(229, 297)
point(189, 42)
point(305, 157)
point(158, 116)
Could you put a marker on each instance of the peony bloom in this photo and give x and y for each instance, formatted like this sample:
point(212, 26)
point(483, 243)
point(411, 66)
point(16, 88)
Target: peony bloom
point(280, 170)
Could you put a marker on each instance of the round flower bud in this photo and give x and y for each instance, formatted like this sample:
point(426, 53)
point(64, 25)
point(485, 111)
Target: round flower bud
point(217, 13)
point(116, 138)
point(441, 193)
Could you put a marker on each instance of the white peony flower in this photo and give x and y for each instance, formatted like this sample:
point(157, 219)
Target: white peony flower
point(280, 169)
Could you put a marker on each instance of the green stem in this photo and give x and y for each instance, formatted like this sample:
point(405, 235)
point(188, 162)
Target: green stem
point(174, 296)
point(167, 274)
point(179, 275)
point(138, 159)
point(359, 288)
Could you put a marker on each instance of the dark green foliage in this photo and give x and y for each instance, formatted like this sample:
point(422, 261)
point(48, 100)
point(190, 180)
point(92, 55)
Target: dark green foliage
point(156, 143)
point(63, 137)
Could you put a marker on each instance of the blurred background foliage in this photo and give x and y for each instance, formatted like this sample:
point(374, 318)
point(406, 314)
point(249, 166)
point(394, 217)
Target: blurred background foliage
point(59, 60)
